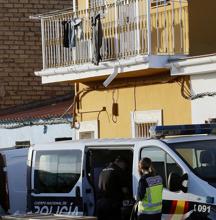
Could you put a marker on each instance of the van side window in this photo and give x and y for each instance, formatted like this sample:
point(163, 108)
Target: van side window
point(162, 161)
point(57, 171)
point(172, 166)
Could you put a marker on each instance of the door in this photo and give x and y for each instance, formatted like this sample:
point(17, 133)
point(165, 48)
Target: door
point(4, 202)
point(56, 181)
point(174, 202)
point(98, 158)
point(16, 178)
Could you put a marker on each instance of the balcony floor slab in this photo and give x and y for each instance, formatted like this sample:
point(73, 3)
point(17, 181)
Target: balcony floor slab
point(90, 72)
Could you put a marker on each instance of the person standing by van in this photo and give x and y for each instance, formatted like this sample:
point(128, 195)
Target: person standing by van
point(113, 189)
point(149, 194)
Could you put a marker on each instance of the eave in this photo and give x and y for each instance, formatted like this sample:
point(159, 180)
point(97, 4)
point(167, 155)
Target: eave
point(194, 65)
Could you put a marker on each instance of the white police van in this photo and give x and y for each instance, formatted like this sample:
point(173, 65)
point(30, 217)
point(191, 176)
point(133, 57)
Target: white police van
point(63, 176)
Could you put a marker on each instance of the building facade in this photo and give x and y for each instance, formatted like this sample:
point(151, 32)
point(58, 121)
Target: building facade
point(122, 66)
point(202, 72)
point(37, 124)
point(20, 53)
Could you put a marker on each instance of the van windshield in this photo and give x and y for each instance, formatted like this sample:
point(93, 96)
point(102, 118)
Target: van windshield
point(200, 156)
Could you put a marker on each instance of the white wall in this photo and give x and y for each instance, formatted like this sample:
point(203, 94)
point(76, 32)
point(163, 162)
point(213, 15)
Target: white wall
point(203, 108)
point(35, 134)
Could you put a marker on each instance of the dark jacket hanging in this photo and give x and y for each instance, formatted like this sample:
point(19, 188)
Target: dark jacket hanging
point(97, 36)
point(71, 32)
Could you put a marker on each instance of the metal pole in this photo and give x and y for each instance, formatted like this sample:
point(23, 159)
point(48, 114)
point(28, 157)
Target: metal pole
point(148, 16)
point(116, 31)
point(74, 5)
point(165, 27)
point(138, 28)
point(43, 43)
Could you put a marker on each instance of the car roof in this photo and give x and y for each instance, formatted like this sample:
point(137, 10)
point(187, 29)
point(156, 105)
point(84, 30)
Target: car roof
point(124, 141)
point(94, 142)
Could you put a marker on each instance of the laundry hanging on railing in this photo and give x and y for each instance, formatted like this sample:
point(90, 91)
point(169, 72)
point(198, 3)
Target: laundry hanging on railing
point(97, 37)
point(72, 31)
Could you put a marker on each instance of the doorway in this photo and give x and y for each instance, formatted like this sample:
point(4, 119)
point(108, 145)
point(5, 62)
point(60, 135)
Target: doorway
point(99, 158)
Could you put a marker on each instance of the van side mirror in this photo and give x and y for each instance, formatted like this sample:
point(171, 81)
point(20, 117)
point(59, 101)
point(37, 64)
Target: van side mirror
point(177, 182)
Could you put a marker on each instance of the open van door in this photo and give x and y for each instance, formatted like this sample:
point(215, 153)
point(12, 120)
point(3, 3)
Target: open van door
point(15, 160)
point(55, 178)
point(173, 173)
point(4, 203)
point(98, 157)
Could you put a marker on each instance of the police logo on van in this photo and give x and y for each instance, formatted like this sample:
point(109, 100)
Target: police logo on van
point(64, 205)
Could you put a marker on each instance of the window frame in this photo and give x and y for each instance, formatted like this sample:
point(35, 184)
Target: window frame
point(146, 116)
point(37, 155)
point(164, 162)
point(92, 1)
point(185, 161)
point(159, 3)
point(87, 126)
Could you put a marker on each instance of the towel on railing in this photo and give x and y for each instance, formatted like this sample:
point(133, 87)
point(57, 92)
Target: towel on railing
point(72, 31)
point(97, 36)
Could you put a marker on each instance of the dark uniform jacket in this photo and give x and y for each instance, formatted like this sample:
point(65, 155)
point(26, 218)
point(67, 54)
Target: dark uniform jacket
point(142, 186)
point(111, 181)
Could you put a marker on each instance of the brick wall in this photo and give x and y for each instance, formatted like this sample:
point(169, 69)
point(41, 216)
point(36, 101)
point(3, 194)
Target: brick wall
point(20, 52)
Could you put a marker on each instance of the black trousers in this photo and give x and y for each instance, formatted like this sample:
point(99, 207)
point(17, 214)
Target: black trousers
point(108, 209)
point(149, 217)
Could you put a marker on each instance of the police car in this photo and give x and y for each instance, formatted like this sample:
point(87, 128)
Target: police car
point(63, 176)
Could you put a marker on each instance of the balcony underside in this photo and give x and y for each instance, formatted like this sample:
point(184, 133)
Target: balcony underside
point(122, 68)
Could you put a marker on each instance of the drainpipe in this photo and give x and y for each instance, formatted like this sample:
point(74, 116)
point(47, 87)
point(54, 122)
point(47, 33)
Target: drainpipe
point(148, 17)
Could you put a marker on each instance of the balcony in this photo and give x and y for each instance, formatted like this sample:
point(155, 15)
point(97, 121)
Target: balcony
point(132, 30)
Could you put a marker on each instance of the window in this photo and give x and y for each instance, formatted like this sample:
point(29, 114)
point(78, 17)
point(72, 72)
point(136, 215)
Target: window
point(142, 129)
point(57, 171)
point(162, 162)
point(96, 3)
point(87, 130)
point(22, 144)
point(143, 120)
point(200, 156)
point(172, 167)
point(63, 139)
point(86, 135)
point(155, 3)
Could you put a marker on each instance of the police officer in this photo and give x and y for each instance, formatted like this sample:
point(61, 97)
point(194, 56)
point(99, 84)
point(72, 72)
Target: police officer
point(113, 189)
point(149, 194)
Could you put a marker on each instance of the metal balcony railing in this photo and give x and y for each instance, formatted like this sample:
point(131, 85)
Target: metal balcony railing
point(125, 32)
